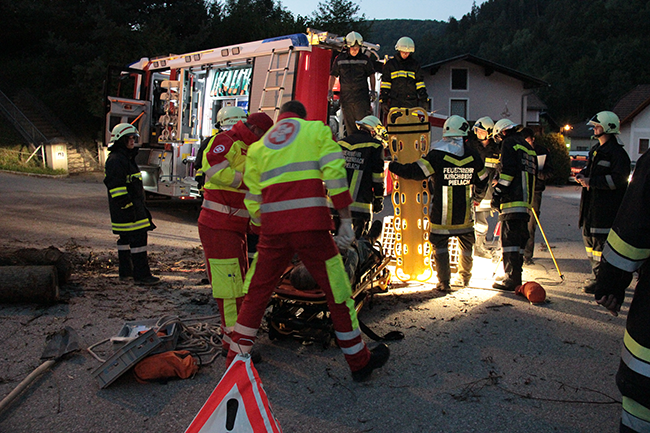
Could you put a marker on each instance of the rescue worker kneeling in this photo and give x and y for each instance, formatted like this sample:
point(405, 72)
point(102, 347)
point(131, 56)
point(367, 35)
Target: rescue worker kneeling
point(452, 167)
point(285, 172)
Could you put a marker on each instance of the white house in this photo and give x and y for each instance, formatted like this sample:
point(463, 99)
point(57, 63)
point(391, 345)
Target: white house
point(634, 112)
point(472, 87)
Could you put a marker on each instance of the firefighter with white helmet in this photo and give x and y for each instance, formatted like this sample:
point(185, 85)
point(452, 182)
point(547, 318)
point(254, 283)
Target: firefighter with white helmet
point(490, 153)
point(456, 173)
point(364, 164)
point(285, 172)
point(130, 218)
point(354, 69)
point(512, 198)
point(604, 181)
point(402, 81)
point(224, 220)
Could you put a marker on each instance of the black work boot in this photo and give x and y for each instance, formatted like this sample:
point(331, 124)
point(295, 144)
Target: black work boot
point(508, 285)
point(141, 272)
point(378, 357)
point(125, 265)
point(589, 287)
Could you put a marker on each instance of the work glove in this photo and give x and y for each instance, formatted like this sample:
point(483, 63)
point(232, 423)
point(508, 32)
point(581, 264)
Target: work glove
point(378, 204)
point(330, 96)
point(345, 237)
point(373, 96)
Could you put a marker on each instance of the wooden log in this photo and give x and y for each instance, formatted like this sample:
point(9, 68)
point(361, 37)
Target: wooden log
point(40, 257)
point(37, 284)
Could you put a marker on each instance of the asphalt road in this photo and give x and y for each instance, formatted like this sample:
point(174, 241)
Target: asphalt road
point(475, 360)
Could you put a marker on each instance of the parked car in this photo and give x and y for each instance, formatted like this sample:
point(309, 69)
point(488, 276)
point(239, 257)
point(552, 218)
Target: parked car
point(578, 162)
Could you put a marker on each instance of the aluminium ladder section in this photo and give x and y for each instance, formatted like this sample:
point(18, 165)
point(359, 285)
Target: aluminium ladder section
point(409, 136)
point(278, 90)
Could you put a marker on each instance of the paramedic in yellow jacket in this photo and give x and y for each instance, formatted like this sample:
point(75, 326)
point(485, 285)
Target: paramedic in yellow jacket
point(285, 172)
point(224, 220)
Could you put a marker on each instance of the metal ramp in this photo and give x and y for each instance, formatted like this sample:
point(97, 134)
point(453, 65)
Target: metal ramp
point(272, 95)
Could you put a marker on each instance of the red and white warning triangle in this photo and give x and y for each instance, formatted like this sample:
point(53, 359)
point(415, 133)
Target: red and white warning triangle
point(237, 405)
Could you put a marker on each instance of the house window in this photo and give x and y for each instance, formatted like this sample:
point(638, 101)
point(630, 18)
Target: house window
point(643, 145)
point(459, 107)
point(459, 79)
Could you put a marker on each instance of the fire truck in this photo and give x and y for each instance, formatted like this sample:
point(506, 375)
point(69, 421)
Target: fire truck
point(174, 100)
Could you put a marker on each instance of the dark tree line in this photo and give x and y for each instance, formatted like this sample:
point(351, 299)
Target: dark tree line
point(591, 52)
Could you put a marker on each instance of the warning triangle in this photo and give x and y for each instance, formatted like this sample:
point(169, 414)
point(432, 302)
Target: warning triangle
point(237, 405)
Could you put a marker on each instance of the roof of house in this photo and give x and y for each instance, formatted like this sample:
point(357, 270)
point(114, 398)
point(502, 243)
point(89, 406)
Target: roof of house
point(534, 103)
point(632, 103)
point(489, 67)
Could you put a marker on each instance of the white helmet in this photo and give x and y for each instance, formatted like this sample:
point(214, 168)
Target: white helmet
point(405, 44)
point(228, 116)
point(455, 126)
point(353, 38)
point(373, 124)
point(485, 124)
point(123, 130)
point(502, 125)
point(608, 120)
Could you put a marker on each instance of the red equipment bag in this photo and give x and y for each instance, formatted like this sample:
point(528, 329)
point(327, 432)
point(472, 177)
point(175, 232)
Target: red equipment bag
point(237, 405)
point(166, 365)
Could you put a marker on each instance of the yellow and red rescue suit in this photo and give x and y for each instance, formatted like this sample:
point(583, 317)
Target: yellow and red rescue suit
point(286, 173)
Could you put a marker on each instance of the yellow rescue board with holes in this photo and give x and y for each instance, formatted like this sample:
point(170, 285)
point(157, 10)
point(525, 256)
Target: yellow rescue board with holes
point(408, 137)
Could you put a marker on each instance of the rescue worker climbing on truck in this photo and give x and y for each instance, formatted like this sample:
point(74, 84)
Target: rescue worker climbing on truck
point(224, 220)
point(456, 174)
point(402, 80)
point(353, 68)
point(285, 173)
point(130, 218)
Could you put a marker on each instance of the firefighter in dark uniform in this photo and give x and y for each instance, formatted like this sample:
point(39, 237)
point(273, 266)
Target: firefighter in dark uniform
point(452, 167)
point(604, 181)
point(627, 250)
point(490, 153)
point(402, 80)
point(364, 164)
point(512, 197)
point(130, 217)
point(353, 69)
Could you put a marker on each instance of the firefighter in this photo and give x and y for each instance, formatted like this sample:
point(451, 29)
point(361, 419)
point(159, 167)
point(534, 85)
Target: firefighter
point(627, 250)
point(285, 172)
point(227, 117)
point(402, 80)
point(490, 153)
point(354, 69)
point(130, 218)
point(364, 163)
point(224, 220)
point(604, 181)
point(452, 167)
point(544, 173)
point(512, 197)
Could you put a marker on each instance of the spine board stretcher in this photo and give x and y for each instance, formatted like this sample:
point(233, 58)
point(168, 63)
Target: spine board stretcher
point(303, 314)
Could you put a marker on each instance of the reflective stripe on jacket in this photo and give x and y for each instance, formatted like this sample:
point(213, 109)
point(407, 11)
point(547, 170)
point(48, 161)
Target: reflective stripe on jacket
point(224, 191)
point(287, 172)
point(126, 202)
point(516, 184)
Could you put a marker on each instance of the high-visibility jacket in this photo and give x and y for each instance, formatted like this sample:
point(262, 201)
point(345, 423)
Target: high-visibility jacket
point(516, 185)
point(490, 154)
point(126, 202)
point(608, 170)
point(287, 172)
point(364, 164)
point(224, 190)
point(402, 83)
point(451, 183)
point(628, 250)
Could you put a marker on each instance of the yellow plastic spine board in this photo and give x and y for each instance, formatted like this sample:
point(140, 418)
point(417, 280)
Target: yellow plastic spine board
point(409, 135)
